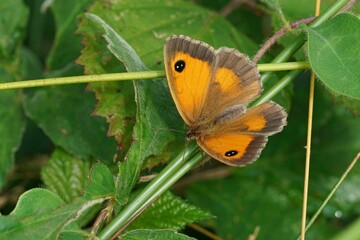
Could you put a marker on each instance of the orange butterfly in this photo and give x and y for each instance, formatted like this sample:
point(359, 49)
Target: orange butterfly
point(211, 89)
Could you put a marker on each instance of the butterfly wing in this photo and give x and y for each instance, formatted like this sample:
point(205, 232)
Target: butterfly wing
point(205, 83)
point(240, 141)
point(235, 82)
point(188, 65)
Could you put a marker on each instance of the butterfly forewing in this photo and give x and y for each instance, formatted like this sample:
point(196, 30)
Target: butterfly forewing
point(188, 65)
point(235, 81)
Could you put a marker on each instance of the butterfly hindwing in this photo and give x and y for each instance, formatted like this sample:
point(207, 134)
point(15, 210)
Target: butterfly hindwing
point(239, 141)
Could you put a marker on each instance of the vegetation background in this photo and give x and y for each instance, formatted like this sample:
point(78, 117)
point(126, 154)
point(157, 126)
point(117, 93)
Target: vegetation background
point(63, 147)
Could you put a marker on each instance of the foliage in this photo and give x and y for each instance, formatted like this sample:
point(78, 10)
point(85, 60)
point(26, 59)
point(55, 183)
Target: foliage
point(101, 139)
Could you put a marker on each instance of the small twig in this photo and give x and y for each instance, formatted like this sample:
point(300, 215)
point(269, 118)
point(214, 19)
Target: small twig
point(115, 236)
point(271, 41)
point(332, 192)
point(235, 4)
point(214, 173)
point(255, 234)
point(347, 6)
point(204, 231)
point(103, 217)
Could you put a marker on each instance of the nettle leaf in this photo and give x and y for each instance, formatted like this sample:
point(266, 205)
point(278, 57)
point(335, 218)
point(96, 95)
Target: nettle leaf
point(115, 100)
point(65, 175)
point(41, 214)
point(334, 54)
point(169, 212)
point(13, 19)
point(159, 234)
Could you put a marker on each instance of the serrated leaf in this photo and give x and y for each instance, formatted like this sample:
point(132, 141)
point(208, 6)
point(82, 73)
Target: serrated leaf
point(144, 133)
point(40, 214)
point(169, 212)
point(145, 234)
point(334, 54)
point(115, 100)
point(65, 175)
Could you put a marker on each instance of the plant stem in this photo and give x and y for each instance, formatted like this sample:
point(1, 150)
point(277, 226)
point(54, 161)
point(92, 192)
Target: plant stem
point(285, 54)
point(280, 85)
point(332, 192)
point(83, 79)
point(129, 76)
point(168, 176)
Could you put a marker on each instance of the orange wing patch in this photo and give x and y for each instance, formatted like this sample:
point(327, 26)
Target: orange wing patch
point(256, 123)
point(189, 87)
point(223, 74)
point(224, 143)
point(233, 149)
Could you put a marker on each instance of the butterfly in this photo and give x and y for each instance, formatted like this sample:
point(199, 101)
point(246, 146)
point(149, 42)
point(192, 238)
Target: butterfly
point(211, 90)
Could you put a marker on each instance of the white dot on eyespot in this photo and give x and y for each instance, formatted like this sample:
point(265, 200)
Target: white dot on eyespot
point(338, 214)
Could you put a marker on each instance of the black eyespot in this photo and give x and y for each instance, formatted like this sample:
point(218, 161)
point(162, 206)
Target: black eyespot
point(179, 66)
point(231, 153)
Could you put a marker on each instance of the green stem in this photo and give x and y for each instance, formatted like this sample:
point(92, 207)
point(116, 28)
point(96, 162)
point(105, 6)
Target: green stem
point(280, 85)
point(291, 49)
point(83, 79)
point(332, 192)
point(168, 176)
point(129, 76)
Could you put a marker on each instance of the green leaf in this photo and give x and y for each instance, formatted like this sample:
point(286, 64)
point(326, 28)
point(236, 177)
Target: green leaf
point(350, 103)
point(169, 212)
point(64, 113)
point(334, 54)
point(145, 234)
point(67, 45)
point(352, 232)
point(115, 100)
point(65, 175)
point(40, 214)
point(37, 216)
point(101, 182)
point(239, 209)
point(13, 19)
